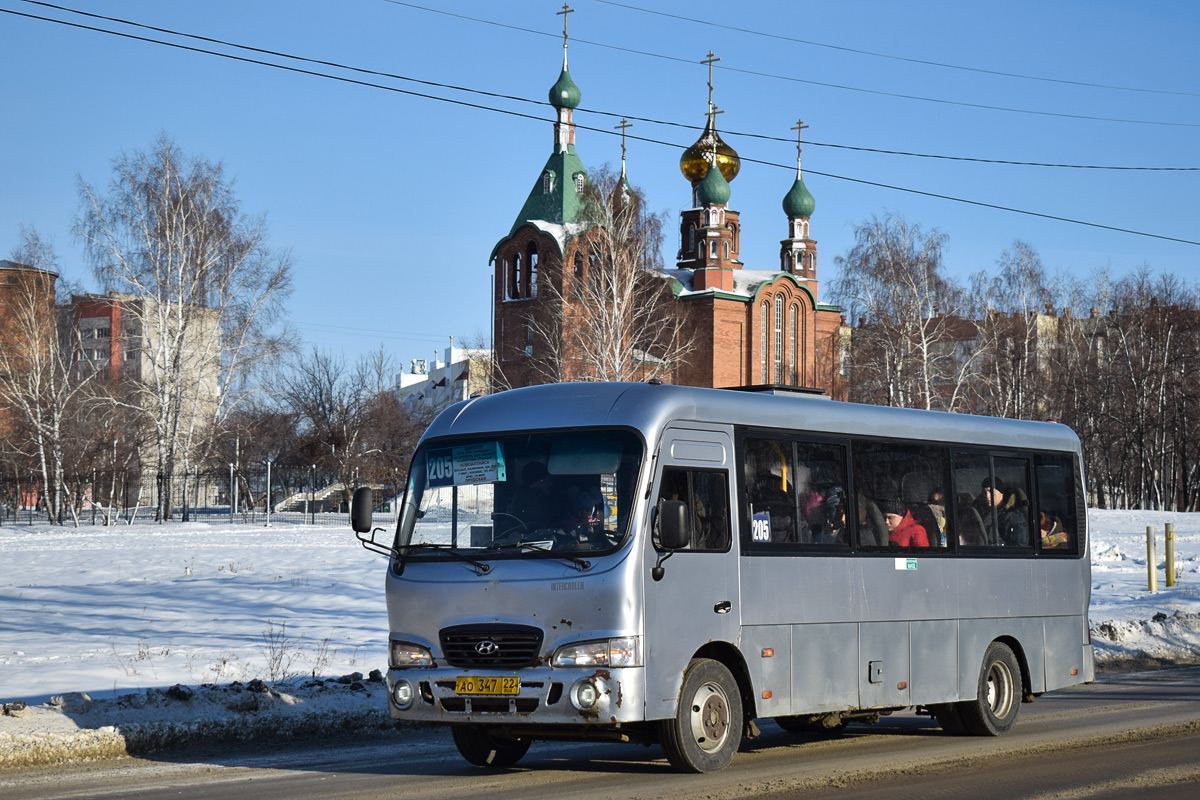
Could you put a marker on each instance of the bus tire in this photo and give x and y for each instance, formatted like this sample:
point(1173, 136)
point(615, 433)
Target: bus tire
point(481, 748)
point(994, 710)
point(707, 729)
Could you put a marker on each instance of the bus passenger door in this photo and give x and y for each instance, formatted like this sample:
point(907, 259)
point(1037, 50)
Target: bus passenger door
point(696, 602)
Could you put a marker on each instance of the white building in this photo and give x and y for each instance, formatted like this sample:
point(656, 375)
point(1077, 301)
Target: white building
point(432, 385)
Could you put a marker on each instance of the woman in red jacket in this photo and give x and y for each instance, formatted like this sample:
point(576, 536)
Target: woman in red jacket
point(903, 530)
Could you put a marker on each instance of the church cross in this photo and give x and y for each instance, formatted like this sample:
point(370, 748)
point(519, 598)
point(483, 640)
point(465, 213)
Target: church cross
point(624, 126)
point(566, 10)
point(799, 129)
point(712, 59)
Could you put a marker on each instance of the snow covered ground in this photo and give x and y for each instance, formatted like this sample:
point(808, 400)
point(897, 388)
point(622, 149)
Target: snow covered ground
point(124, 614)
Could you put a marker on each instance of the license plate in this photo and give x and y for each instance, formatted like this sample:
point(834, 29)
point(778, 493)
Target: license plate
point(483, 684)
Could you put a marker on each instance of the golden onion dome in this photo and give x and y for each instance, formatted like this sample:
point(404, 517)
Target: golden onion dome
point(695, 160)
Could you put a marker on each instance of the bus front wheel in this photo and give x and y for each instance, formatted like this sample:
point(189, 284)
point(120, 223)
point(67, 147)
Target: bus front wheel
point(481, 748)
point(707, 729)
point(993, 712)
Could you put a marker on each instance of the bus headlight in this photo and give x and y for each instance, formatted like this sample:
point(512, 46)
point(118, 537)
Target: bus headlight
point(407, 654)
point(624, 651)
point(402, 694)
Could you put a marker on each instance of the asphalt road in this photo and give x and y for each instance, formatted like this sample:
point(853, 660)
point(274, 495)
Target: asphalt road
point(1127, 734)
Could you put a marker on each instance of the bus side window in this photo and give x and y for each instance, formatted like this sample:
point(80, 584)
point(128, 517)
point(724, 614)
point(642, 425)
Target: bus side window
point(1056, 508)
point(705, 493)
point(1012, 505)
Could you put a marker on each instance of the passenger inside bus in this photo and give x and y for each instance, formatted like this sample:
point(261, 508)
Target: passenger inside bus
point(1009, 525)
point(903, 530)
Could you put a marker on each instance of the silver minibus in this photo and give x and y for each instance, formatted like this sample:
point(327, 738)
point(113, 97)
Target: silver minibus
point(638, 562)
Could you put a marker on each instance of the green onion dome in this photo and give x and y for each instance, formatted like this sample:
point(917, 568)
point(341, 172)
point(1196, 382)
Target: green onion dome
point(714, 189)
point(799, 202)
point(564, 93)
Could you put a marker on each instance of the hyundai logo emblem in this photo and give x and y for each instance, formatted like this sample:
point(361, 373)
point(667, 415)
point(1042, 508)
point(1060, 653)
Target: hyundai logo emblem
point(487, 648)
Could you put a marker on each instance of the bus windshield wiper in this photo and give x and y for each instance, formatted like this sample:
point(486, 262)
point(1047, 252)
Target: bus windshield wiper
point(579, 563)
point(481, 567)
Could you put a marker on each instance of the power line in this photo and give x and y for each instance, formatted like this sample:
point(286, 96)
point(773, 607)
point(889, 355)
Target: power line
point(893, 57)
point(441, 85)
point(368, 84)
point(793, 79)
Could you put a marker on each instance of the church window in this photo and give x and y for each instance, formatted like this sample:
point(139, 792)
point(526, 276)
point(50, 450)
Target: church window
point(778, 354)
point(514, 288)
point(763, 323)
point(531, 269)
point(712, 250)
point(547, 182)
point(528, 339)
point(578, 284)
point(691, 238)
point(727, 249)
point(579, 182)
point(793, 345)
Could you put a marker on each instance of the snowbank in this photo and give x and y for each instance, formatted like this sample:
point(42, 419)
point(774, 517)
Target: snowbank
point(130, 639)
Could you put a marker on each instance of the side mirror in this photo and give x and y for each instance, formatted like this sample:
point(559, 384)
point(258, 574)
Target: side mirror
point(674, 532)
point(360, 509)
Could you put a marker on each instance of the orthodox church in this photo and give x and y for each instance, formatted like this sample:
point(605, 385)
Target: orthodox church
point(746, 326)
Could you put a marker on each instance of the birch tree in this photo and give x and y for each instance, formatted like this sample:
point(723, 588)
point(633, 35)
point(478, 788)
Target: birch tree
point(1007, 306)
point(201, 293)
point(907, 351)
point(609, 316)
point(40, 386)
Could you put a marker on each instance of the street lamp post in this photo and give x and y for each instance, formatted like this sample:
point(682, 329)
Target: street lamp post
point(268, 492)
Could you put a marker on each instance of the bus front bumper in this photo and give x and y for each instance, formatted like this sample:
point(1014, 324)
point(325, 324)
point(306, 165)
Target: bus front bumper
point(573, 695)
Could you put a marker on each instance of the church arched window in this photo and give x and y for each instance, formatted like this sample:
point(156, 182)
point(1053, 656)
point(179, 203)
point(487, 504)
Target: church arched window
point(691, 239)
point(794, 345)
point(547, 182)
point(514, 287)
point(531, 269)
point(778, 354)
point(712, 250)
point(578, 182)
point(764, 322)
point(726, 249)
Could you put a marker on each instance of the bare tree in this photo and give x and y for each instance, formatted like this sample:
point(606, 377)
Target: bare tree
point(608, 315)
point(909, 350)
point(201, 292)
point(1008, 308)
point(353, 425)
point(40, 386)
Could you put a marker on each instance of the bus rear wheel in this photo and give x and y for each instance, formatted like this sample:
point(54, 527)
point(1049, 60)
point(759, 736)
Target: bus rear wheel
point(994, 710)
point(707, 729)
point(479, 746)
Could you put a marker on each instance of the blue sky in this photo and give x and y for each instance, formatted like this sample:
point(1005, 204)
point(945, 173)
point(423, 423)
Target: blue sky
point(391, 203)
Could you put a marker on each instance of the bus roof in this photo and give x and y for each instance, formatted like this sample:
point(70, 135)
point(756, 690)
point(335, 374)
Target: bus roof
point(650, 407)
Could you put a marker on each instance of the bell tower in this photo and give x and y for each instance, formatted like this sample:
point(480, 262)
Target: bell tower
point(798, 252)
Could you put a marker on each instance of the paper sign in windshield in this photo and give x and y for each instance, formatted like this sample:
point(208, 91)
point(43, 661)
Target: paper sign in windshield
point(473, 463)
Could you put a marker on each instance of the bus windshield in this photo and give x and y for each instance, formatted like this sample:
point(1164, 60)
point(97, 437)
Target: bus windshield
point(548, 494)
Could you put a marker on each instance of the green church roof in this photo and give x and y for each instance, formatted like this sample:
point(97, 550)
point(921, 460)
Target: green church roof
point(553, 198)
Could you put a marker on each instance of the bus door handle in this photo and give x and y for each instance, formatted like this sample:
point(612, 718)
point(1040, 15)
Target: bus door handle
point(723, 607)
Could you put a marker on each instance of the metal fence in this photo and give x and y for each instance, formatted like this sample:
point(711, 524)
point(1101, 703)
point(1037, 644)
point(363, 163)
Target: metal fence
point(272, 494)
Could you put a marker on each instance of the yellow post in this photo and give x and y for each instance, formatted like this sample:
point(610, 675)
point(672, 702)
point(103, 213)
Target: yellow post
point(1151, 561)
point(1170, 554)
